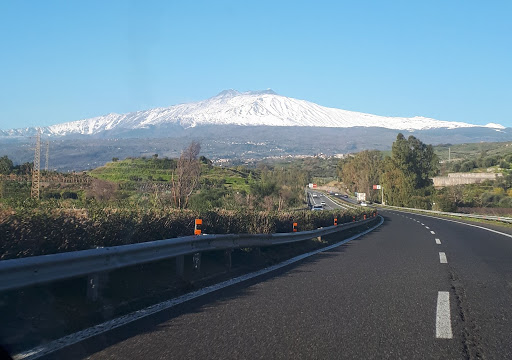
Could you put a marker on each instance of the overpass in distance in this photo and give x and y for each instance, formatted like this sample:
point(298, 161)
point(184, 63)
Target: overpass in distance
point(417, 287)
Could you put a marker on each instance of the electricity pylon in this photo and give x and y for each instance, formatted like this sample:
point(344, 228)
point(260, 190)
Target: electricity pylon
point(36, 171)
point(47, 155)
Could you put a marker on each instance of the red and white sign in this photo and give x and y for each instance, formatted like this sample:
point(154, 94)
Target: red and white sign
point(376, 187)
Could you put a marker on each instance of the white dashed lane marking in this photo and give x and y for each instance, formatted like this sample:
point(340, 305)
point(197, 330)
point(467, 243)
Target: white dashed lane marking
point(438, 242)
point(442, 258)
point(443, 318)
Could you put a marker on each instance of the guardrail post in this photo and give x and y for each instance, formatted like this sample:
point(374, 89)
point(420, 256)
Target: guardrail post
point(196, 261)
point(180, 266)
point(94, 283)
point(227, 258)
point(335, 221)
point(294, 227)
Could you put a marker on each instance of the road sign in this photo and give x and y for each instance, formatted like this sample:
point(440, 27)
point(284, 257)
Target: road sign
point(376, 187)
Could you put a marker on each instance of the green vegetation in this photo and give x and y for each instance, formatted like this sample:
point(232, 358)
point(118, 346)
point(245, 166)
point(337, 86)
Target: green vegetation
point(405, 175)
point(145, 199)
point(136, 169)
point(361, 172)
point(488, 194)
point(29, 233)
point(473, 150)
point(480, 157)
point(321, 170)
point(475, 157)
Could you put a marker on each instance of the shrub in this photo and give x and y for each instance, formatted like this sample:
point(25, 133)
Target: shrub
point(506, 202)
point(33, 232)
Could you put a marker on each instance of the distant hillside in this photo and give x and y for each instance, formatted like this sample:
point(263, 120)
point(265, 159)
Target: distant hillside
point(133, 172)
point(473, 150)
point(238, 143)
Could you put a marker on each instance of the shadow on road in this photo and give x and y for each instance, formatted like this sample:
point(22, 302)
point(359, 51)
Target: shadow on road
point(160, 321)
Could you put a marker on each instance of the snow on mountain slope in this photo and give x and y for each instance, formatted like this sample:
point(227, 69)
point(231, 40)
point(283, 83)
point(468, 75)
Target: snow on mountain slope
point(231, 107)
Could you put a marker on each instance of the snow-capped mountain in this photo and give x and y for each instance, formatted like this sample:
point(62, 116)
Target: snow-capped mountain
point(230, 107)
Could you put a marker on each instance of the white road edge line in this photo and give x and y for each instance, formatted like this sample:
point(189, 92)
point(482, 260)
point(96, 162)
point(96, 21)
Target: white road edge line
point(82, 335)
point(463, 223)
point(426, 227)
point(438, 242)
point(443, 318)
point(442, 258)
point(433, 233)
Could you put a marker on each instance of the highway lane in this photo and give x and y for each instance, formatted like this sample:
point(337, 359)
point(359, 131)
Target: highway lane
point(385, 295)
point(480, 268)
point(320, 197)
point(329, 204)
point(349, 199)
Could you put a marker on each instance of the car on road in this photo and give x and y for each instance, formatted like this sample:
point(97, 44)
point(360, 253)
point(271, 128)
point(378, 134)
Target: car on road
point(315, 195)
point(317, 208)
point(363, 203)
point(345, 196)
point(336, 194)
point(323, 203)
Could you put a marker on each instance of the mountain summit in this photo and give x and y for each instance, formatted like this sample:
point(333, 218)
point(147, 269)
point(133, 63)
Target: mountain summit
point(250, 108)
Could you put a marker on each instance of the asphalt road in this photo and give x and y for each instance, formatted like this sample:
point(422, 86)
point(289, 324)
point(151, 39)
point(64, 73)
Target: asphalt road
point(345, 203)
point(389, 294)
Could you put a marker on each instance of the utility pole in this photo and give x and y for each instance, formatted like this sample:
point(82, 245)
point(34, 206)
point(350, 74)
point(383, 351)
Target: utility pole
point(36, 171)
point(449, 154)
point(47, 155)
point(382, 194)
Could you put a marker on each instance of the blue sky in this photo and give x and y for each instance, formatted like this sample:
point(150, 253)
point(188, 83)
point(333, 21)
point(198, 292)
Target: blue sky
point(68, 60)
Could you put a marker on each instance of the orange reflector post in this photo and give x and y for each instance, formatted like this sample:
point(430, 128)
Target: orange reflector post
point(335, 221)
point(353, 218)
point(294, 227)
point(364, 216)
point(198, 226)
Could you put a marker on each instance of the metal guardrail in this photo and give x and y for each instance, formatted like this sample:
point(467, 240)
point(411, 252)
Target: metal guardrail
point(18, 273)
point(484, 217)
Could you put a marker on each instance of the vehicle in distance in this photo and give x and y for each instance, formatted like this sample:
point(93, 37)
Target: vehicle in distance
point(315, 195)
point(363, 203)
point(345, 196)
point(323, 203)
point(317, 208)
point(336, 194)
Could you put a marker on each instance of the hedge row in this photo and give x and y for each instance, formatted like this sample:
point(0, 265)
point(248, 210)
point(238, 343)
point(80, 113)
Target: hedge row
point(39, 232)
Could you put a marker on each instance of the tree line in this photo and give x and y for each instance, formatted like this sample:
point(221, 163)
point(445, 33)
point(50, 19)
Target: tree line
point(405, 175)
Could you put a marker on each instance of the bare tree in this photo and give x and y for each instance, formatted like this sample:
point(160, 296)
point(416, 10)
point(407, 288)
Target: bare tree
point(186, 178)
